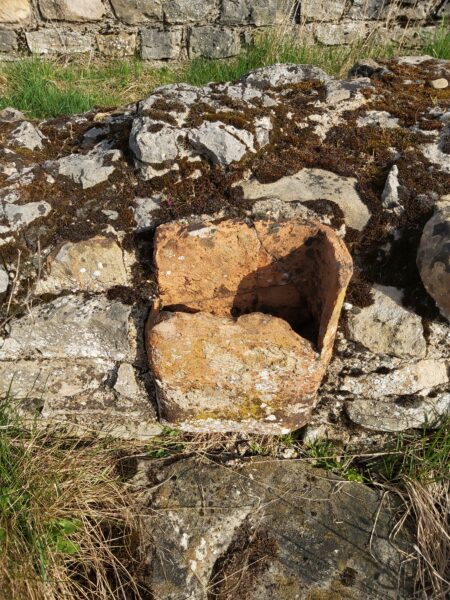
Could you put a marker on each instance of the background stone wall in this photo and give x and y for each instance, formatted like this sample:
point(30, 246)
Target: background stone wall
point(178, 29)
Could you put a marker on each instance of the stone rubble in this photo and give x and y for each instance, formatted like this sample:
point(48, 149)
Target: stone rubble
point(366, 157)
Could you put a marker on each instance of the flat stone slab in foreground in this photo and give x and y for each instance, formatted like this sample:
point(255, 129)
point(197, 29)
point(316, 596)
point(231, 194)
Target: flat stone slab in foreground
point(243, 330)
point(263, 529)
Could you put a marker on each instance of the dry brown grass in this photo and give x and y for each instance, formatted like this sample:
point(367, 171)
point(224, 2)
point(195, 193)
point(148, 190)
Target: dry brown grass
point(67, 529)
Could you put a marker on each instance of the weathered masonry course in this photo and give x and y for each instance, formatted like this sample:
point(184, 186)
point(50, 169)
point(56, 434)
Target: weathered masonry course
point(177, 29)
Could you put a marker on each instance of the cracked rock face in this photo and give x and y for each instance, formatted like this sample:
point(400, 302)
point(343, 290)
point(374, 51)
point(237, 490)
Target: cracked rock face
point(298, 532)
point(259, 372)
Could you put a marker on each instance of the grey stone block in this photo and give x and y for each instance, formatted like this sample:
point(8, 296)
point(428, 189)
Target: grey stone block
point(235, 12)
point(8, 41)
point(52, 41)
point(133, 12)
point(157, 44)
point(72, 10)
point(256, 12)
point(182, 11)
point(366, 9)
point(117, 45)
point(336, 34)
point(210, 41)
point(322, 10)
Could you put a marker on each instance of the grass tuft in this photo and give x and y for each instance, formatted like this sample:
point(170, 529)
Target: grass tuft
point(65, 526)
point(439, 44)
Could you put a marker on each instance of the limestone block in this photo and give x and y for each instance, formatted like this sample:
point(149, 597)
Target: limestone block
point(406, 381)
point(287, 74)
point(336, 34)
point(210, 41)
point(153, 143)
point(377, 118)
point(144, 211)
point(4, 280)
point(51, 41)
point(72, 10)
point(133, 12)
point(386, 415)
point(159, 44)
point(314, 184)
point(117, 45)
point(322, 10)
point(235, 12)
point(11, 115)
point(49, 380)
point(366, 9)
point(433, 258)
point(93, 265)
point(26, 135)
point(21, 215)
point(87, 170)
point(222, 144)
point(217, 516)
point(182, 11)
point(69, 327)
point(8, 41)
point(259, 372)
point(386, 327)
point(14, 11)
point(256, 12)
point(411, 10)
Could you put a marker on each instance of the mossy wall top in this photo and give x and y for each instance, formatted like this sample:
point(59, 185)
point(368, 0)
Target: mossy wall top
point(179, 29)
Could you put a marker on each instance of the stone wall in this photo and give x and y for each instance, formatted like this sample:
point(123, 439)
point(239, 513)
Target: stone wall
point(178, 29)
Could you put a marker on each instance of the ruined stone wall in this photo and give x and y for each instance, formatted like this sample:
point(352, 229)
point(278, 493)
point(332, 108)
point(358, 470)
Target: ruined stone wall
point(177, 29)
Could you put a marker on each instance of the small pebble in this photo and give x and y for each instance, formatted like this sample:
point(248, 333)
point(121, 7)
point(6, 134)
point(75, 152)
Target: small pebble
point(439, 84)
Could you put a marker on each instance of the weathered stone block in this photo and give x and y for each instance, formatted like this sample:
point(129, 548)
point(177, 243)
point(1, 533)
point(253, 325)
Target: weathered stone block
point(93, 265)
point(117, 45)
point(70, 327)
point(281, 513)
point(266, 12)
point(235, 12)
point(159, 44)
point(366, 9)
point(411, 10)
point(133, 12)
point(72, 10)
point(386, 326)
point(259, 372)
point(257, 12)
point(210, 41)
point(14, 11)
point(311, 185)
point(322, 10)
point(336, 34)
point(433, 258)
point(182, 11)
point(8, 41)
point(50, 41)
